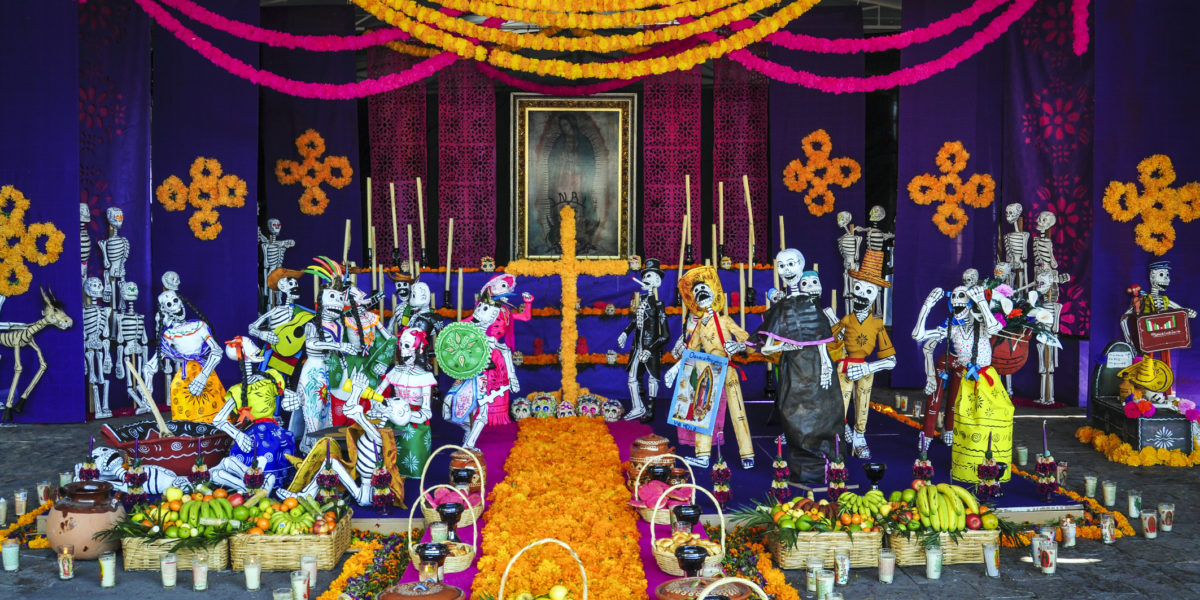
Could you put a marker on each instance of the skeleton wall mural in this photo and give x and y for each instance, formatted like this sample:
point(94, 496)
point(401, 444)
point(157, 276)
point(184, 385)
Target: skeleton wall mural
point(273, 250)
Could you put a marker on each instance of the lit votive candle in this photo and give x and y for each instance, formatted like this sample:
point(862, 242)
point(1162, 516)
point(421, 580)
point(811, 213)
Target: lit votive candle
point(66, 562)
point(1150, 524)
point(3, 511)
point(1110, 493)
point(1089, 485)
point(933, 563)
point(991, 560)
point(11, 550)
point(20, 503)
point(1135, 504)
point(299, 585)
point(41, 524)
point(308, 564)
point(887, 565)
point(1022, 455)
point(252, 567)
point(43, 491)
point(169, 566)
point(825, 582)
point(1049, 557)
point(199, 573)
point(439, 532)
point(65, 477)
point(108, 569)
point(813, 568)
point(1166, 515)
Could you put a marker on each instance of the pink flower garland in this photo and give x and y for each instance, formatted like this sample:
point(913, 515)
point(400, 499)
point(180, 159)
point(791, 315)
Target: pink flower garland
point(1079, 10)
point(952, 23)
point(279, 39)
point(302, 89)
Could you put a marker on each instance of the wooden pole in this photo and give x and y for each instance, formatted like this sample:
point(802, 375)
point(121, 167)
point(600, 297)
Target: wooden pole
point(750, 213)
point(721, 212)
point(460, 288)
point(412, 267)
point(421, 213)
point(687, 195)
point(449, 252)
point(714, 245)
point(376, 284)
point(316, 288)
point(370, 208)
point(679, 276)
point(346, 244)
point(395, 229)
point(782, 243)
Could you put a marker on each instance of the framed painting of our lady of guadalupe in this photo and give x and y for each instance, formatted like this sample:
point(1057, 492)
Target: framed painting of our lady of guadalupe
point(572, 152)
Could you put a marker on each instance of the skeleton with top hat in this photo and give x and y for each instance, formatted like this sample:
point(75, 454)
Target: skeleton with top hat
point(649, 330)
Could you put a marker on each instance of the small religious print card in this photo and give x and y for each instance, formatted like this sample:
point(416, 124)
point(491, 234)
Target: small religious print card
point(698, 391)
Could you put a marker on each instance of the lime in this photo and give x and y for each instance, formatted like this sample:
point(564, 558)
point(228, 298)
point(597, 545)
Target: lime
point(787, 522)
point(172, 532)
point(804, 525)
point(914, 525)
point(897, 496)
point(908, 495)
point(241, 513)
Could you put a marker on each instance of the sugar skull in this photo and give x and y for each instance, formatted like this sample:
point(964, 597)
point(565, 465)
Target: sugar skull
point(565, 410)
point(612, 410)
point(635, 263)
point(609, 309)
point(726, 262)
point(877, 214)
point(520, 408)
point(487, 264)
point(610, 357)
point(1002, 271)
point(542, 405)
point(518, 359)
point(93, 287)
point(589, 406)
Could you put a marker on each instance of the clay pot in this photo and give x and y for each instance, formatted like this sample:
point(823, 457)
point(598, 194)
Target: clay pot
point(1009, 354)
point(426, 591)
point(83, 509)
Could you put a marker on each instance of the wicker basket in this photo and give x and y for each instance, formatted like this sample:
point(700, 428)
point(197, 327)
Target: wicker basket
point(283, 552)
point(969, 549)
point(453, 564)
point(472, 513)
point(863, 548)
point(667, 561)
point(141, 554)
point(513, 560)
point(712, 587)
point(648, 514)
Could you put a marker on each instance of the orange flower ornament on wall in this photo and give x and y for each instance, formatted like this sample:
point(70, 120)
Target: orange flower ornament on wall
point(819, 172)
point(1158, 203)
point(312, 171)
point(209, 188)
point(949, 191)
point(41, 243)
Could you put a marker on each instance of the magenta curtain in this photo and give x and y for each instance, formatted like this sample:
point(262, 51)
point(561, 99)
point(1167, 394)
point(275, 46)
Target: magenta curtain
point(396, 126)
point(740, 147)
point(670, 149)
point(466, 164)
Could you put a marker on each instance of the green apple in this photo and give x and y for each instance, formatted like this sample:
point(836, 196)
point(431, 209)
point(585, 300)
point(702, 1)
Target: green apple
point(897, 496)
point(241, 513)
point(172, 532)
point(173, 493)
point(908, 495)
point(264, 504)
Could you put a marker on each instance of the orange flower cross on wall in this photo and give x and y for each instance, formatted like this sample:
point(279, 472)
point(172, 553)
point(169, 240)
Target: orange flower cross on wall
point(949, 191)
point(20, 242)
point(208, 189)
point(1158, 204)
point(313, 171)
point(819, 173)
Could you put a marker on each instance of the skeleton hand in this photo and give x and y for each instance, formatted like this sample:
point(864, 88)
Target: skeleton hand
point(644, 355)
point(934, 297)
point(771, 347)
point(244, 442)
point(930, 385)
point(270, 337)
point(526, 296)
point(352, 410)
point(669, 378)
point(358, 384)
point(349, 348)
point(976, 295)
point(291, 400)
point(857, 371)
point(379, 369)
point(1191, 313)
point(733, 347)
point(621, 340)
point(514, 384)
point(826, 369)
point(677, 351)
point(196, 387)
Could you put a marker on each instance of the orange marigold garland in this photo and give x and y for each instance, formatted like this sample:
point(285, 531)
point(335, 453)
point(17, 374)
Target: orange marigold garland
point(1157, 204)
point(20, 242)
point(1118, 451)
point(949, 190)
point(314, 171)
point(208, 189)
point(819, 172)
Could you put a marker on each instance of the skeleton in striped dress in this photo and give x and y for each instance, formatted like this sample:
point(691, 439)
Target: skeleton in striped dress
point(132, 342)
point(85, 241)
point(53, 313)
point(273, 250)
point(97, 360)
point(114, 251)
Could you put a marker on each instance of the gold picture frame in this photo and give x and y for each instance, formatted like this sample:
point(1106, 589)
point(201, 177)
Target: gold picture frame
point(573, 151)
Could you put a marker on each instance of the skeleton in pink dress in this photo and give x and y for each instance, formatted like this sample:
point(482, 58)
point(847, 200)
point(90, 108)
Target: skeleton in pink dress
point(470, 403)
point(501, 288)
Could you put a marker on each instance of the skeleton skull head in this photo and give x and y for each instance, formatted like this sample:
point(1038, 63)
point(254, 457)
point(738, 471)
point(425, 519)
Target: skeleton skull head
point(810, 284)
point(274, 227)
point(116, 217)
point(589, 406)
point(485, 314)
point(565, 410)
point(518, 359)
point(1046, 220)
point(726, 262)
point(542, 406)
point(1160, 275)
point(93, 287)
point(129, 291)
point(85, 213)
point(487, 264)
point(1002, 270)
point(610, 309)
point(959, 299)
point(420, 296)
point(703, 294)
point(844, 218)
point(877, 214)
point(635, 263)
point(970, 278)
point(520, 409)
point(170, 280)
point(864, 293)
point(333, 302)
point(288, 286)
point(109, 462)
point(1044, 280)
point(170, 304)
point(610, 357)
point(789, 264)
point(650, 281)
point(403, 290)
point(1012, 212)
point(410, 342)
point(612, 410)
point(501, 284)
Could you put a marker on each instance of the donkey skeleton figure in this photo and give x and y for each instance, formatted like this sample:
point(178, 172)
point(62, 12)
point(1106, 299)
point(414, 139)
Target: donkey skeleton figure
point(97, 335)
point(53, 313)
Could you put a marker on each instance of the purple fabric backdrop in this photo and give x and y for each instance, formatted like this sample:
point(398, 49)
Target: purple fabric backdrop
point(398, 150)
point(466, 168)
point(284, 118)
point(963, 104)
point(1145, 91)
point(114, 142)
point(200, 110)
point(797, 112)
point(40, 157)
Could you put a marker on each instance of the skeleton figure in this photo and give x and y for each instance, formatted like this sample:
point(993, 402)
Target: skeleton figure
point(1043, 244)
point(171, 311)
point(468, 403)
point(403, 309)
point(612, 410)
point(266, 326)
point(132, 341)
point(321, 337)
point(970, 278)
point(650, 334)
point(256, 400)
point(565, 410)
point(371, 324)
point(1015, 244)
point(520, 408)
point(589, 406)
point(53, 313)
point(1046, 281)
point(111, 465)
point(114, 251)
point(1154, 302)
point(182, 342)
point(273, 250)
point(849, 246)
point(96, 337)
point(880, 240)
point(85, 240)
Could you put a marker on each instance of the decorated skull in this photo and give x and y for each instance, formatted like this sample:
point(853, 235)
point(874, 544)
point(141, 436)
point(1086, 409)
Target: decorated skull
point(726, 262)
point(1002, 270)
point(85, 213)
point(116, 217)
point(1012, 212)
point(518, 359)
point(170, 304)
point(865, 294)
point(92, 287)
point(959, 298)
point(542, 405)
point(520, 408)
point(877, 214)
point(610, 309)
point(274, 226)
point(565, 410)
point(612, 410)
point(635, 263)
point(810, 284)
point(129, 291)
point(610, 357)
point(1046, 220)
point(970, 277)
point(589, 406)
point(487, 264)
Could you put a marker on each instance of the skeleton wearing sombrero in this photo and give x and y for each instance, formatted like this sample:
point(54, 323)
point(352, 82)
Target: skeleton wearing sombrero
point(1156, 301)
point(714, 333)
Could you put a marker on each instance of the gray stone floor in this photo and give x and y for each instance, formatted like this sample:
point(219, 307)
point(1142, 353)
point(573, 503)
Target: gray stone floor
point(1167, 567)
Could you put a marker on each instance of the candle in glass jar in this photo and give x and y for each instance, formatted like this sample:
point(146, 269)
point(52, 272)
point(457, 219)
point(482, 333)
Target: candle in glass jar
point(169, 566)
point(813, 567)
point(1089, 486)
point(1108, 528)
point(65, 477)
point(199, 573)
point(887, 566)
point(43, 491)
point(281, 594)
point(1135, 504)
point(991, 560)
point(41, 524)
point(1048, 560)
point(299, 581)
point(252, 567)
point(1110, 493)
point(439, 532)
point(841, 568)
point(20, 499)
point(825, 582)
point(308, 564)
point(108, 569)
point(1068, 532)
point(12, 555)
point(66, 561)
point(3, 511)
point(1150, 524)
point(1166, 516)
point(933, 563)
point(1022, 455)
point(1035, 542)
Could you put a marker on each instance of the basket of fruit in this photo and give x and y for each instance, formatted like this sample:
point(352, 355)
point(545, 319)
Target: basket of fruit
point(646, 497)
point(802, 529)
point(461, 554)
point(186, 524)
point(944, 515)
point(558, 592)
point(429, 502)
point(664, 549)
point(281, 532)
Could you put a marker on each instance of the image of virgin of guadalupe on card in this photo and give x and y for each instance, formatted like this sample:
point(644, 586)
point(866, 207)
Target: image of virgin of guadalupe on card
point(698, 392)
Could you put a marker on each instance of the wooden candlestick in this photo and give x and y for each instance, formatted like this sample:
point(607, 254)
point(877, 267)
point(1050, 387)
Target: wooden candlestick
point(346, 244)
point(395, 230)
point(714, 246)
point(412, 267)
point(449, 250)
point(375, 283)
point(782, 243)
point(721, 212)
point(742, 294)
point(750, 213)
point(687, 197)
point(369, 208)
point(679, 276)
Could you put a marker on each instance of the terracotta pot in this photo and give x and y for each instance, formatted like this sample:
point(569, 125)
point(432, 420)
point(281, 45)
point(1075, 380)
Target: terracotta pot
point(1008, 354)
point(83, 509)
point(426, 591)
point(689, 588)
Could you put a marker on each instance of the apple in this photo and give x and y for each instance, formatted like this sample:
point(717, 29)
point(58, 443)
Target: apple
point(173, 493)
point(974, 522)
point(896, 496)
point(319, 527)
point(918, 484)
point(908, 495)
point(264, 504)
point(990, 521)
point(236, 500)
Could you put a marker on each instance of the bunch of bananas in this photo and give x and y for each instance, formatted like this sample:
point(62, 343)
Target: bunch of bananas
point(217, 508)
point(291, 522)
point(944, 507)
point(867, 504)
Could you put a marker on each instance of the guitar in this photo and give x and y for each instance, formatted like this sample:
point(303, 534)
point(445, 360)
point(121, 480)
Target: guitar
point(291, 334)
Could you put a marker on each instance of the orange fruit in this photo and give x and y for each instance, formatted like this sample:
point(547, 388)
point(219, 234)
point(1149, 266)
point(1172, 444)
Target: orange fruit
point(277, 506)
point(846, 519)
point(262, 523)
point(856, 518)
point(330, 516)
point(220, 493)
point(290, 503)
point(197, 496)
point(254, 531)
point(175, 505)
point(147, 523)
point(983, 508)
point(207, 497)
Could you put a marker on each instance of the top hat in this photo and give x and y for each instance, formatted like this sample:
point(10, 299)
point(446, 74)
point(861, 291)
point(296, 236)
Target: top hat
point(705, 274)
point(871, 269)
point(652, 265)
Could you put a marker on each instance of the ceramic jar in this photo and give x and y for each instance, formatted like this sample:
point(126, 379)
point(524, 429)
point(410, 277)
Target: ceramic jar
point(83, 509)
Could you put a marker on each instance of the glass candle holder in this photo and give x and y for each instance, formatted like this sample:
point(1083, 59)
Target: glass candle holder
point(11, 550)
point(887, 565)
point(841, 568)
point(1035, 543)
point(3, 511)
point(40, 524)
point(65, 477)
point(1108, 528)
point(299, 580)
point(439, 532)
point(684, 518)
point(281, 594)
point(1135, 504)
point(1022, 455)
point(1048, 559)
point(933, 563)
point(1166, 516)
point(813, 569)
point(199, 573)
point(1149, 525)
point(1110, 493)
point(20, 503)
point(1068, 532)
point(991, 560)
point(825, 582)
point(108, 569)
point(43, 491)
point(252, 567)
point(66, 562)
point(308, 564)
point(1089, 485)
point(168, 565)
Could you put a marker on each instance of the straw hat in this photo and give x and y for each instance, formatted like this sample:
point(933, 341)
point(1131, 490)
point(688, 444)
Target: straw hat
point(274, 277)
point(706, 274)
point(1149, 374)
point(871, 270)
point(307, 467)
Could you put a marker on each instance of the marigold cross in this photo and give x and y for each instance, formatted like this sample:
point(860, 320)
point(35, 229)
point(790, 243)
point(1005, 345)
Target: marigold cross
point(568, 268)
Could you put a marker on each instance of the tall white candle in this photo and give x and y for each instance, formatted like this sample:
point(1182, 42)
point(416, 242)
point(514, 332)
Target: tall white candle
point(782, 242)
point(370, 209)
point(460, 290)
point(108, 570)
point(169, 567)
point(346, 243)
point(308, 564)
point(750, 213)
point(742, 294)
point(421, 212)
point(412, 266)
point(395, 230)
point(721, 212)
point(687, 196)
